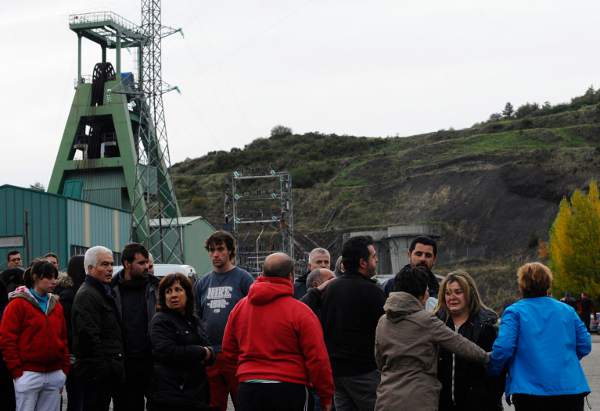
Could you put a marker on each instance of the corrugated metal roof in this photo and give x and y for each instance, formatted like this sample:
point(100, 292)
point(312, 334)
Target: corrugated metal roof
point(182, 220)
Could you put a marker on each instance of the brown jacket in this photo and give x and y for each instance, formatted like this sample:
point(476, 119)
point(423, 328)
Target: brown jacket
point(406, 352)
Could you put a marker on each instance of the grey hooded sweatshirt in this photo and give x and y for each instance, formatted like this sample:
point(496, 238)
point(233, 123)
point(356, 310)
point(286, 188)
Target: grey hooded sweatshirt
point(406, 351)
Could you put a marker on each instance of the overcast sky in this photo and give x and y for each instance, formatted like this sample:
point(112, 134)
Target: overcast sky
point(356, 67)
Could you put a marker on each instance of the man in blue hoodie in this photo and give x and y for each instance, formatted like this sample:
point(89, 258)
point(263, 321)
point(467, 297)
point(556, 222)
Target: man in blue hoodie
point(217, 293)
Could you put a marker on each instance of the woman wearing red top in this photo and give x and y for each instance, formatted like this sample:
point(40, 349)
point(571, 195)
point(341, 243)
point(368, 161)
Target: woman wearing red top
point(33, 339)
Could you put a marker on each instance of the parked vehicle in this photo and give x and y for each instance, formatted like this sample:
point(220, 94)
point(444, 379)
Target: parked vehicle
point(160, 270)
point(595, 323)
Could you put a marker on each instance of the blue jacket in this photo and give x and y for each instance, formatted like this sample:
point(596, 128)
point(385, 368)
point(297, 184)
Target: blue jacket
point(541, 341)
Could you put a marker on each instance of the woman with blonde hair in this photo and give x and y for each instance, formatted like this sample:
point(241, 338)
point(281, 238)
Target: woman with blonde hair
point(541, 341)
point(465, 385)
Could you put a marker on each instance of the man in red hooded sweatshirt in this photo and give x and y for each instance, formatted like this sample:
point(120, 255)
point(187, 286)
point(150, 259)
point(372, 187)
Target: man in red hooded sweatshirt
point(276, 344)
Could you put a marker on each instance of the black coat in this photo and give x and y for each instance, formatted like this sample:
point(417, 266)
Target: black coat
point(350, 309)
point(473, 389)
point(179, 379)
point(97, 338)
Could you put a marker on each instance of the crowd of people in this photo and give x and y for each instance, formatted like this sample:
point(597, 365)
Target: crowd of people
point(321, 341)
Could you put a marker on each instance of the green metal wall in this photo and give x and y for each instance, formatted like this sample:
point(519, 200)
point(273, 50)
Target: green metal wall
point(194, 237)
point(55, 223)
point(46, 221)
point(91, 225)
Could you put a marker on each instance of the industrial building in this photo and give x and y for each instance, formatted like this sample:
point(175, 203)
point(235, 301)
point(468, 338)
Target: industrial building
point(110, 184)
point(35, 222)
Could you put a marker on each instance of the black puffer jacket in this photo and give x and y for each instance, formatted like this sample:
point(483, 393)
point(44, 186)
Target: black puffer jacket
point(473, 389)
point(97, 337)
point(180, 379)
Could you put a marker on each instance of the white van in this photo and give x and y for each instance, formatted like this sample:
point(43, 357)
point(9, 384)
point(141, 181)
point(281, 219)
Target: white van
point(160, 270)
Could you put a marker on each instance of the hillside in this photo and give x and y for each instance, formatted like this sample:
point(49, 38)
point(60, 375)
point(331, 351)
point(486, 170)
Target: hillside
point(493, 189)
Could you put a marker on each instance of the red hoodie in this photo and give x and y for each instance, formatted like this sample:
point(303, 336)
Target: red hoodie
point(272, 336)
point(31, 340)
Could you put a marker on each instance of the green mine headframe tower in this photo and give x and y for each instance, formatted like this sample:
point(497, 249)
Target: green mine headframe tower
point(114, 149)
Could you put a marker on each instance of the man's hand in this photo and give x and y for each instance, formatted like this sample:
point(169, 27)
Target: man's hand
point(327, 408)
point(324, 285)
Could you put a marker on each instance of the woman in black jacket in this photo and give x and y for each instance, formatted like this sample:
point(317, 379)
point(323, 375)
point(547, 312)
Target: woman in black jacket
point(465, 385)
point(180, 350)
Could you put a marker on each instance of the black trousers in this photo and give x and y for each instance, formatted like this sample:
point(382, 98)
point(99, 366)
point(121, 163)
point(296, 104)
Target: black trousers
point(282, 396)
point(138, 377)
point(96, 394)
point(524, 402)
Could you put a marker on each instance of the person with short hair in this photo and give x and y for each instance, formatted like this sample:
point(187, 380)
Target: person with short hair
point(422, 252)
point(97, 336)
point(275, 343)
point(12, 277)
point(33, 340)
point(317, 258)
point(52, 258)
point(351, 306)
point(316, 282)
point(407, 343)
point(465, 385)
point(180, 349)
point(217, 292)
point(14, 260)
point(541, 341)
point(135, 294)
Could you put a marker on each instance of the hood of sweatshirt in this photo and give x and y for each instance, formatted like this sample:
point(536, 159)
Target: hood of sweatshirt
point(23, 292)
point(266, 289)
point(400, 305)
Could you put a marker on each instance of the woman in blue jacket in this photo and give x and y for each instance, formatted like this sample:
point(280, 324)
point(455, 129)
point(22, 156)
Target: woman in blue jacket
point(541, 341)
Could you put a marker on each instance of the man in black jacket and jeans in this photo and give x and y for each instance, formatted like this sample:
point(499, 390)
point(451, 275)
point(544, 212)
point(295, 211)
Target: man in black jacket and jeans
point(97, 339)
point(351, 307)
point(136, 294)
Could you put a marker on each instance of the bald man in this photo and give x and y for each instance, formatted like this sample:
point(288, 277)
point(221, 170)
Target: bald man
point(276, 343)
point(316, 281)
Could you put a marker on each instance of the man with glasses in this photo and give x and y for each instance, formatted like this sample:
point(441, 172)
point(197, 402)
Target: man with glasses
point(13, 260)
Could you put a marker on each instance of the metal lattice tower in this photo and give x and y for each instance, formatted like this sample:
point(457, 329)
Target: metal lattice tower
point(260, 214)
point(156, 222)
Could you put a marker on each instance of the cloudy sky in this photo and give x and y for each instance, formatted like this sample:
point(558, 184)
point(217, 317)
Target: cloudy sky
point(369, 68)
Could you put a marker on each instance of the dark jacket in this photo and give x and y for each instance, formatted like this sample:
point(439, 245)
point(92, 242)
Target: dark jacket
point(97, 338)
point(12, 278)
point(300, 286)
point(473, 389)
point(350, 309)
point(66, 294)
point(151, 294)
point(313, 298)
point(179, 374)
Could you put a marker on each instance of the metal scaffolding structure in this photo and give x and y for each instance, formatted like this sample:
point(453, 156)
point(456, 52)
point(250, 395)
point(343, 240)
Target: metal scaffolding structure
point(153, 182)
point(259, 212)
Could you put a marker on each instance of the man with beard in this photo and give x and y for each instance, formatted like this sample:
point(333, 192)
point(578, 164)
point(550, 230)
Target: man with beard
point(136, 294)
point(216, 294)
point(422, 252)
point(351, 307)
